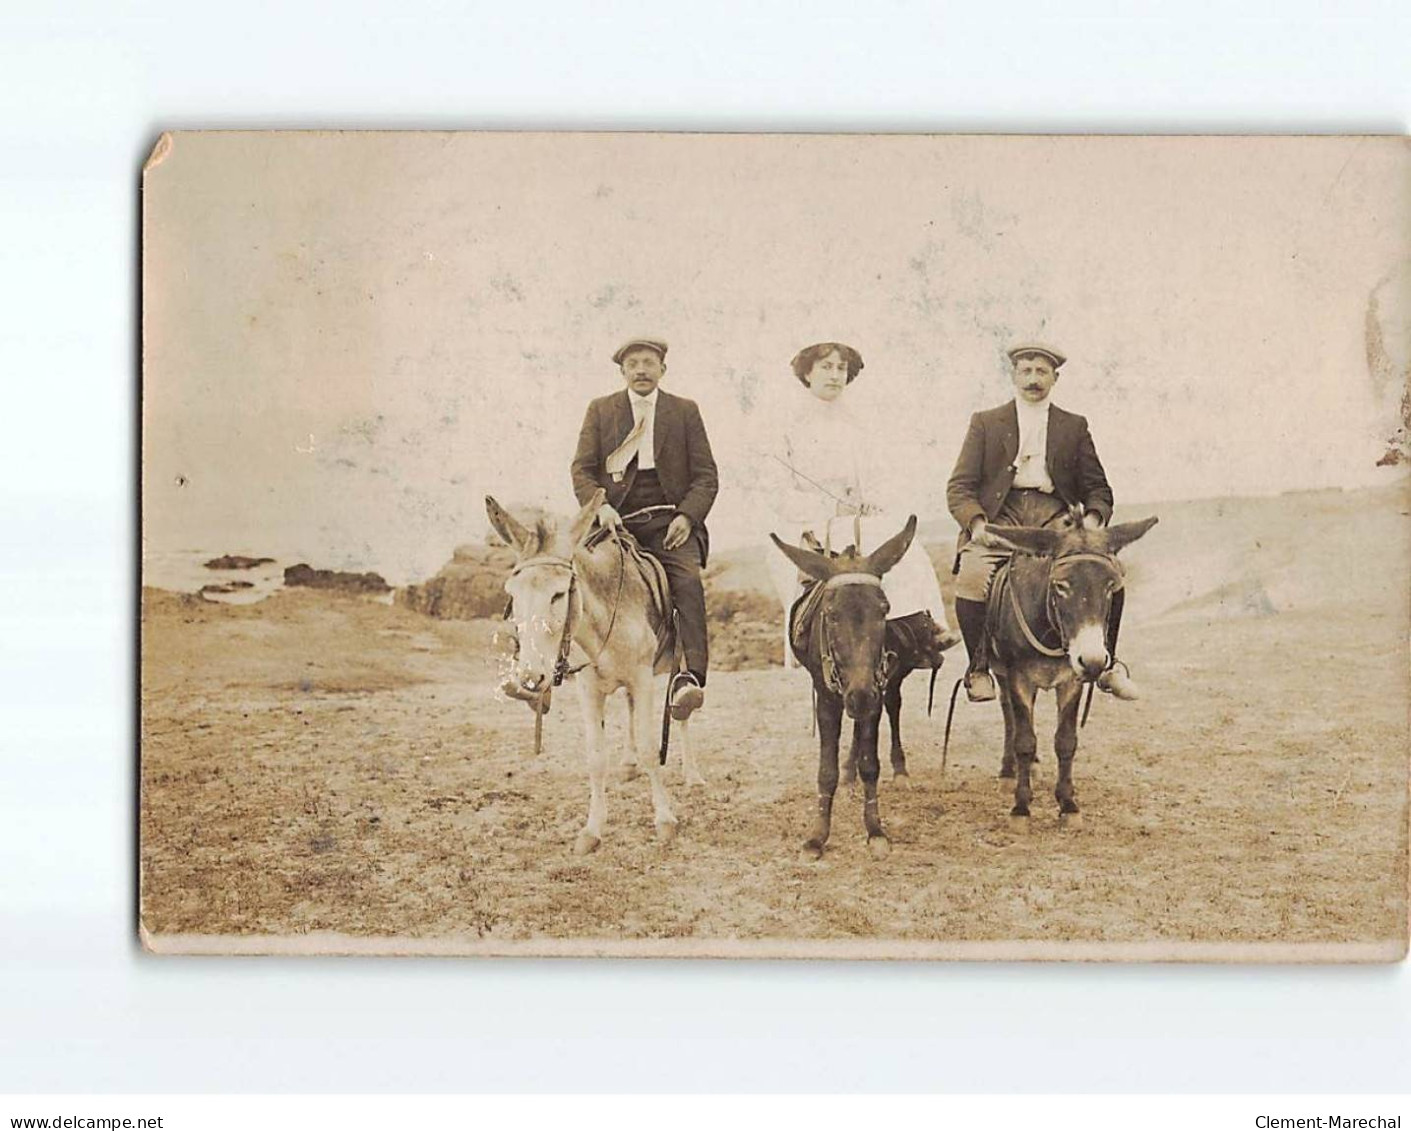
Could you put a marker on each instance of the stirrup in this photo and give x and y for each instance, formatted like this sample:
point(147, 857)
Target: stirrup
point(687, 695)
point(980, 686)
point(1118, 686)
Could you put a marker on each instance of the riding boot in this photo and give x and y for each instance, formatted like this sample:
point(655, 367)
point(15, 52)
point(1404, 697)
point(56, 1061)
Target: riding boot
point(687, 694)
point(942, 638)
point(1116, 680)
point(979, 684)
point(928, 641)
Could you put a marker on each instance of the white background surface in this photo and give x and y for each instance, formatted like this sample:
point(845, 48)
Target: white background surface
point(85, 90)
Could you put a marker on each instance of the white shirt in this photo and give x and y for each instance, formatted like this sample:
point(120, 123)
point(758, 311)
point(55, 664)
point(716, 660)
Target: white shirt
point(1031, 463)
point(645, 407)
point(828, 458)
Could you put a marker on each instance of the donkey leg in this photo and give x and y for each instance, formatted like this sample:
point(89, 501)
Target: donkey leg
point(1006, 765)
point(1021, 703)
point(630, 763)
point(642, 733)
point(849, 761)
point(830, 725)
point(689, 766)
point(590, 699)
point(864, 741)
point(892, 699)
point(1065, 745)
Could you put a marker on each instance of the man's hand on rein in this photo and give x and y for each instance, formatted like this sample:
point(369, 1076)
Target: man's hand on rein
point(677, 532)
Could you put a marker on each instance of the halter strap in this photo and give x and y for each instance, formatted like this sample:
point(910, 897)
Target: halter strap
point(561, 666)
point(858, 578)
point(1029, 635)
point(542, 560)
point(825, 641)
point(1087, 556)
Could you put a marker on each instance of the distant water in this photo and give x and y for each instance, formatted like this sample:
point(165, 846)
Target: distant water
point(184, 571)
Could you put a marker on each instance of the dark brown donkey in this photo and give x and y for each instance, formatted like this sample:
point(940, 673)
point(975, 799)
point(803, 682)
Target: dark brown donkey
point(915, 643)
point(842, 648)
point(1048, 629)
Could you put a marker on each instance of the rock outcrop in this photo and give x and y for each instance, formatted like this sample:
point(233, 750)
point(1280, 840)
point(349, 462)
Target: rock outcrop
point(237, 561)
point(304, 575)
point(471, 586)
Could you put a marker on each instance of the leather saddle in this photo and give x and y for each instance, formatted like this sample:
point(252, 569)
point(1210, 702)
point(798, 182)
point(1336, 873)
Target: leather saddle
point(653, 573)
point(801, 614)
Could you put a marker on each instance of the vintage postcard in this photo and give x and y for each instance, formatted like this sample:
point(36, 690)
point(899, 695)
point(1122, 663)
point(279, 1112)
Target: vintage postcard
point(956, 547)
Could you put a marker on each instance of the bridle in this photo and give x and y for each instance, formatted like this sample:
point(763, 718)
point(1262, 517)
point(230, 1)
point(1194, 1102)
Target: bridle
point(561, 666)
point(1051, 605)
point(831, 666)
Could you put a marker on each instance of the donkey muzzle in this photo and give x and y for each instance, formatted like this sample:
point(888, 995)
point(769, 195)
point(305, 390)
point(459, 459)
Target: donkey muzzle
point(1088, 652)
point(862, 702)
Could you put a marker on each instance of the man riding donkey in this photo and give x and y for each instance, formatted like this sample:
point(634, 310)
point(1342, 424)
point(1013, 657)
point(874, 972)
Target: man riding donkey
point(1025, 463)
point(648, 450)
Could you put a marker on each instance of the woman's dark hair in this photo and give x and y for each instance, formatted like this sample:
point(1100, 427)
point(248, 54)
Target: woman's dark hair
point(809, 356)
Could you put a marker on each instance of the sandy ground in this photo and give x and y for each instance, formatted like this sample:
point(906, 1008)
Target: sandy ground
point(319, 763)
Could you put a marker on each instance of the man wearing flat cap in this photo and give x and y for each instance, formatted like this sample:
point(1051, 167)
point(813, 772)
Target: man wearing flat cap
point(648, 450)
point(1025, 463)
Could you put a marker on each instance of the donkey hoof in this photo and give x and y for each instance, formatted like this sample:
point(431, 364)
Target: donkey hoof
point(901, 779)
point(628, 771)
point(585, 844)
point(812, 851)
point(666, 831)
point(694, 781)
point(879, 847)
point(1006, 772)
point(1072, 820)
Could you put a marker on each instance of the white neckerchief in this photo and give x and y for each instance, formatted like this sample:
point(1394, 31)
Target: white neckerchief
point(645, 409)
point(1031, 464)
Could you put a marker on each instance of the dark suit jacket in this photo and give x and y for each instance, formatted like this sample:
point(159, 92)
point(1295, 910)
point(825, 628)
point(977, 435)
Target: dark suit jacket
point(984, 471)
point(684, 462)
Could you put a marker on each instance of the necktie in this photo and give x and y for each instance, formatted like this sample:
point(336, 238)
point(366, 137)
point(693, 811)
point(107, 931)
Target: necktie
point(618, 459)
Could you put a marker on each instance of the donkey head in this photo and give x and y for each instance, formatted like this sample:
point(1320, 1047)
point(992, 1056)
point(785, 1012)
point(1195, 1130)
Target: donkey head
point(541, 583)
point(852, 617)
point(1082, 578)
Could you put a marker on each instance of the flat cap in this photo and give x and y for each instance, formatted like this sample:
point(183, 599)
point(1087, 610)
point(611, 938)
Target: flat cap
point(634, 343)
point(1018, 351)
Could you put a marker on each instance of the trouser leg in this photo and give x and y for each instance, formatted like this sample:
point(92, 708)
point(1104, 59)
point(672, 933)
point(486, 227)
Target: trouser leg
point(683, 572)
point(971, 615)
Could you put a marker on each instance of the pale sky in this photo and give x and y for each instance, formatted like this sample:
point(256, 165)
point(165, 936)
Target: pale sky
point(351, 338)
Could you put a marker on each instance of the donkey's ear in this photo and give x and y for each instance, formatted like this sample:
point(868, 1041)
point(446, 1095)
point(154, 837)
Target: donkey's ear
point(890, 552)
point(1025, 539)
point(817, 566)
point(584, 522)
point(1124, 534)
point(515, 534)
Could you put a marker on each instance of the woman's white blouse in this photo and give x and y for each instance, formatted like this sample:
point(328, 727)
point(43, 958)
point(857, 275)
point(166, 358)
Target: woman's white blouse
point(828, 461)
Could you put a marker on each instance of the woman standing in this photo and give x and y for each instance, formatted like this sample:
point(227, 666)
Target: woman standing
point(833, 485)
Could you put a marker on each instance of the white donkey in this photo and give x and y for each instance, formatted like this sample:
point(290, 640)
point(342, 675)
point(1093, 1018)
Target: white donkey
point(586, 611)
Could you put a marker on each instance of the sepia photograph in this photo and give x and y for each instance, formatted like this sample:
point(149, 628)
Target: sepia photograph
point(775, 546)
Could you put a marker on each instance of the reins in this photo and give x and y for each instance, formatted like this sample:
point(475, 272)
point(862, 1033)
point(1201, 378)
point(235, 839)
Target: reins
point(827, 659)
point(1054, 622)
point(561, 666)
point(1034, 641)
